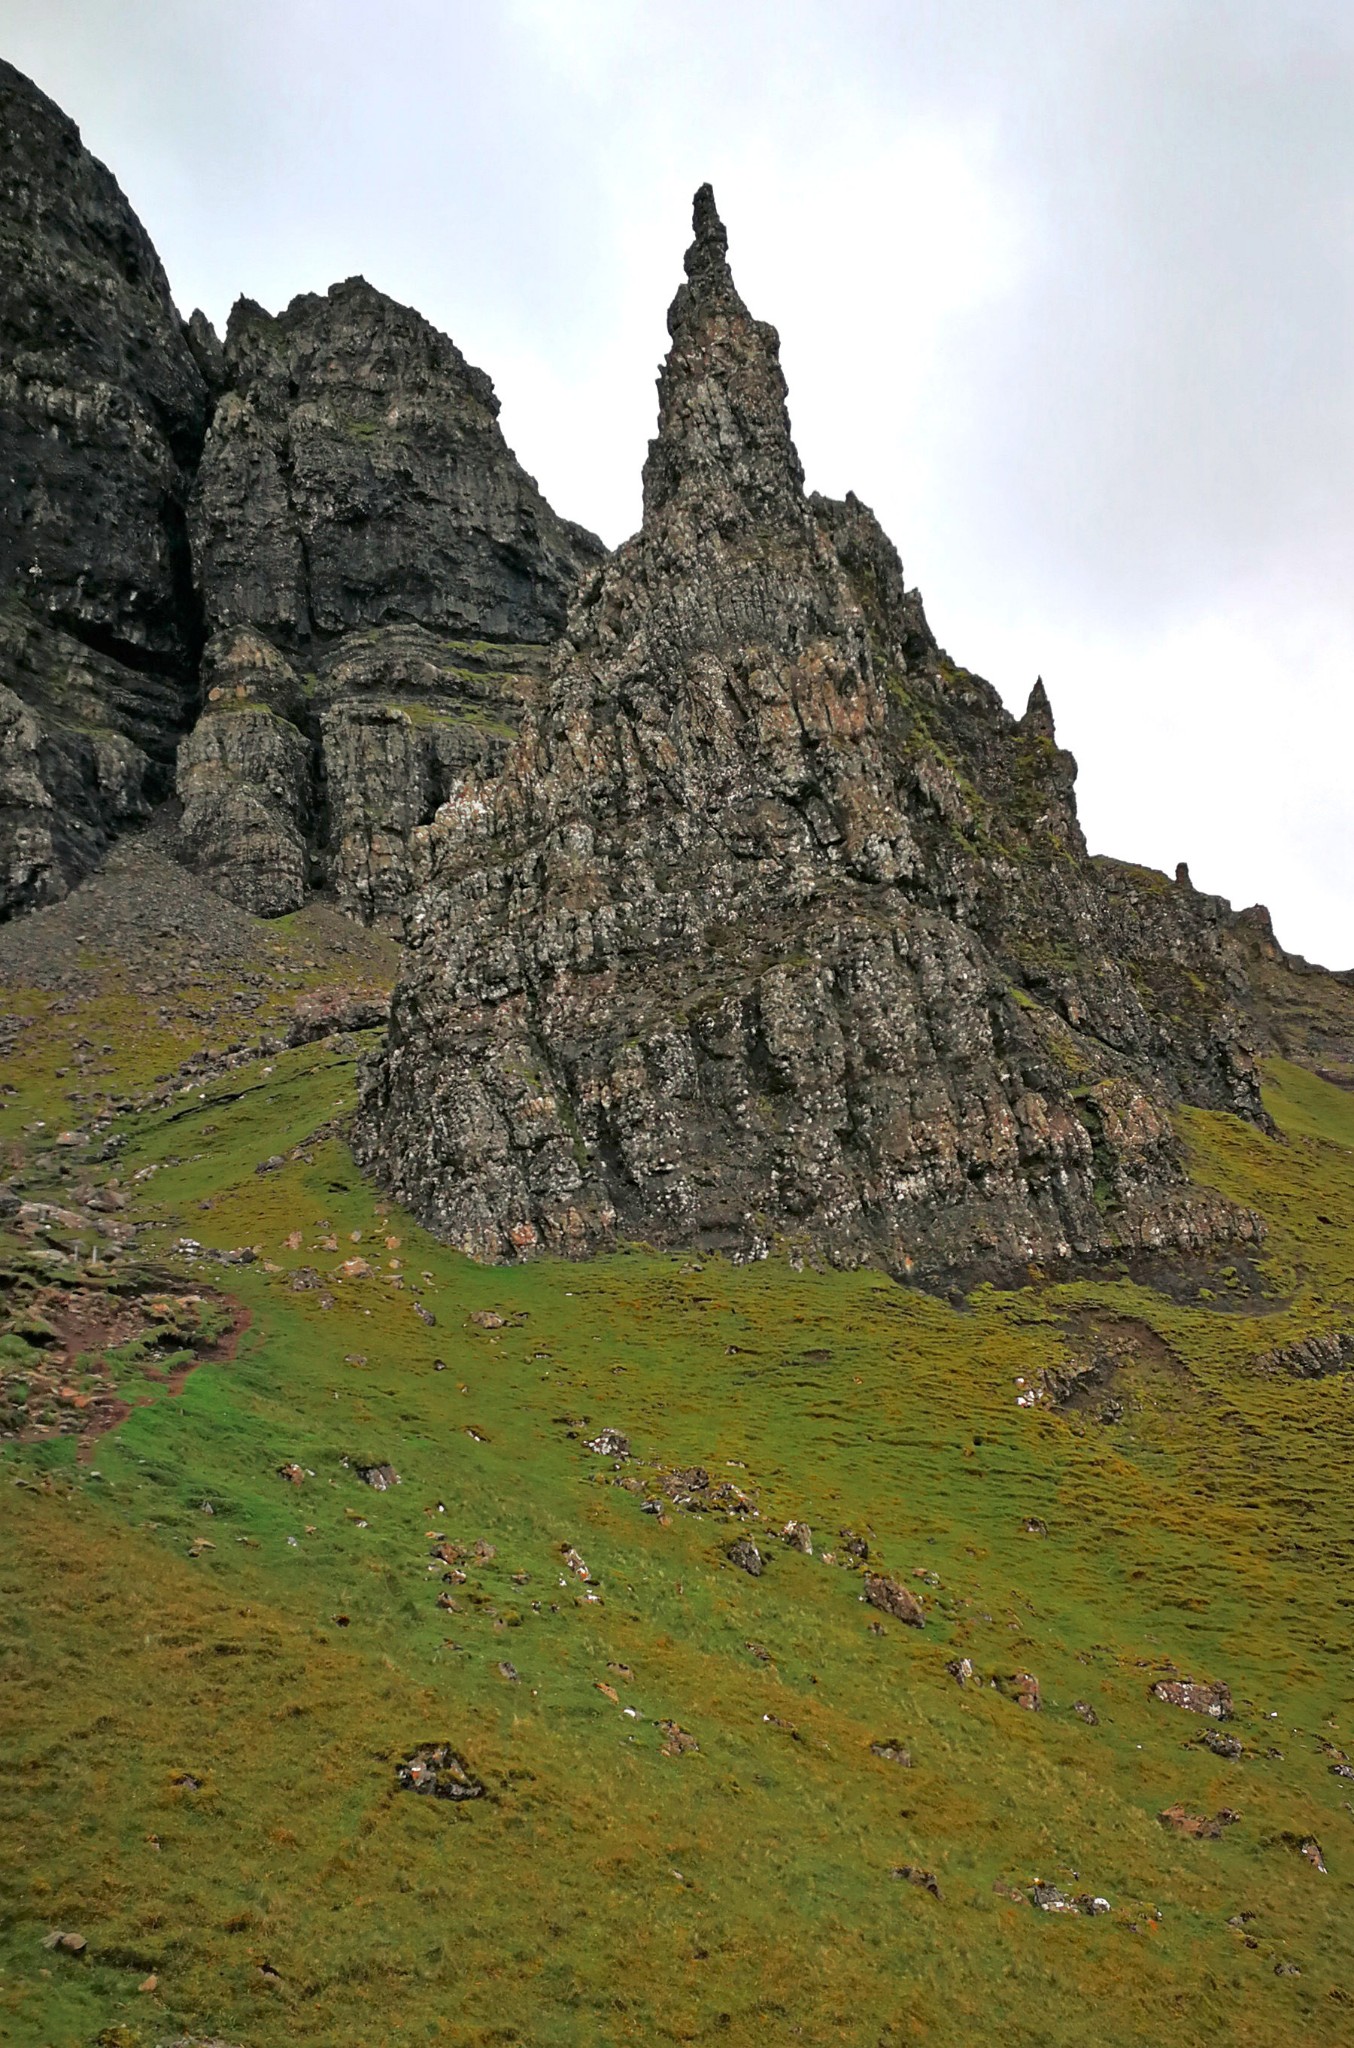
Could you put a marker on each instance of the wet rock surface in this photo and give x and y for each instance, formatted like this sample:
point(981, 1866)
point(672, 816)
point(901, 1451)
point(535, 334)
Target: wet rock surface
point(753, 940)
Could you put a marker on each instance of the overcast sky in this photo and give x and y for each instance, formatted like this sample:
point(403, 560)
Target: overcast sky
point(1064, 291)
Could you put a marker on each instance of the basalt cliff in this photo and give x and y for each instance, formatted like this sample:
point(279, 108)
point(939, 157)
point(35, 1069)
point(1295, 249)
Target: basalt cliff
point(737, 916)
point(777, 930)
point(297, 582)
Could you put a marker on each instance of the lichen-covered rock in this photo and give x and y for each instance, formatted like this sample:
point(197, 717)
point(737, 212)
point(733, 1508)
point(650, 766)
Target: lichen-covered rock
point(776, 928)
point(102, 407)
point(356, 476)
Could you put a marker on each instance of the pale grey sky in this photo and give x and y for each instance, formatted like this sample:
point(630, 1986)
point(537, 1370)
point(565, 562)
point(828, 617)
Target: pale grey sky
point(1064, 291)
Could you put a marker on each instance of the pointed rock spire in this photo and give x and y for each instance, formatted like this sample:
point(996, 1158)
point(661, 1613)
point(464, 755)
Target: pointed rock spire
point(1038, 718)
point(723, 455)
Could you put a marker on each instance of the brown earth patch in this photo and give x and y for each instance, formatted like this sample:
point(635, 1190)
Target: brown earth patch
point(81, 1351)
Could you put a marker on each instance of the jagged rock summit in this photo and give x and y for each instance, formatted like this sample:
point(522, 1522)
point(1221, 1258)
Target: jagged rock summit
point(315, 536)
point(776, 929)
point(380, 578)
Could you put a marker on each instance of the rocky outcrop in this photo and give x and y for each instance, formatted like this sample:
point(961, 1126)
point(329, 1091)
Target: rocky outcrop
point(85, 748)
point(776, 929)
point(102, 415)
point(359, 509)
point(402, 716)
point(102, 407)
point(356, 476)
point(245, 778)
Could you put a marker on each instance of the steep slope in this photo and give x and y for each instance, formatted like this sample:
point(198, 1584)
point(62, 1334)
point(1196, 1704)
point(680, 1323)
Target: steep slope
point(102, 414)
point(776, 928)
point(363, 532)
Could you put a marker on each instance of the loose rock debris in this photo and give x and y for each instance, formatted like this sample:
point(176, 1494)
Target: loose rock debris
point(892, 1753)
point(1022, 1687)
point(609, 1443)
point(892, 1597)
point(69, 1944)
point(436, 1768)
point(1195, 1696)
point(676, 1740)
point(1201, 1827)
point(1084, 1711)
point(1050, 1898)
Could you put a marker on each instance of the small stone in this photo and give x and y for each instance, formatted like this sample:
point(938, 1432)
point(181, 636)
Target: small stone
point(380, 1477)
point(1022, 1687)
point(892, 1753)
point(676, 1740)
point(925, 1880)
point(1049, 1899)
point(609, 1443)
point(437, 1770)
point(1201, 1827)
point(891, 1597)
point(960, 1670)
point(509, 1671)
point(1195, 1696)
point(855, 1546)
point(487, 1319)
point(745, 1554)
point(799, 1536)
point(1084, 1711)
point(424, 1315)
point(1311, 1849)
point(1223, 1745)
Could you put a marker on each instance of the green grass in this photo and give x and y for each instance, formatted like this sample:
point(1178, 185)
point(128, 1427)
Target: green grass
point(607, 1892)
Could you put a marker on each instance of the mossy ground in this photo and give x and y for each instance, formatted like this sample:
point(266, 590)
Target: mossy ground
point(197, 1758)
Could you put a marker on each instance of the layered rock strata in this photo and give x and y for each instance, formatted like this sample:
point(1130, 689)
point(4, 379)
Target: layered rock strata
point(359, 511)
point(102, 415)
point(775, 928)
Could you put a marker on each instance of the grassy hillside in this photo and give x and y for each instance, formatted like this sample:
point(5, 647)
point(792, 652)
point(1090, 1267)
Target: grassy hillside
point(212, 1669)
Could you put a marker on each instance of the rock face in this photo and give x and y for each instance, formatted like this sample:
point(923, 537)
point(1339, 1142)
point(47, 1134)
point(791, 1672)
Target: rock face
point(359, 511)
point(102, 414)
point(356, 476)
point(776, 928)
